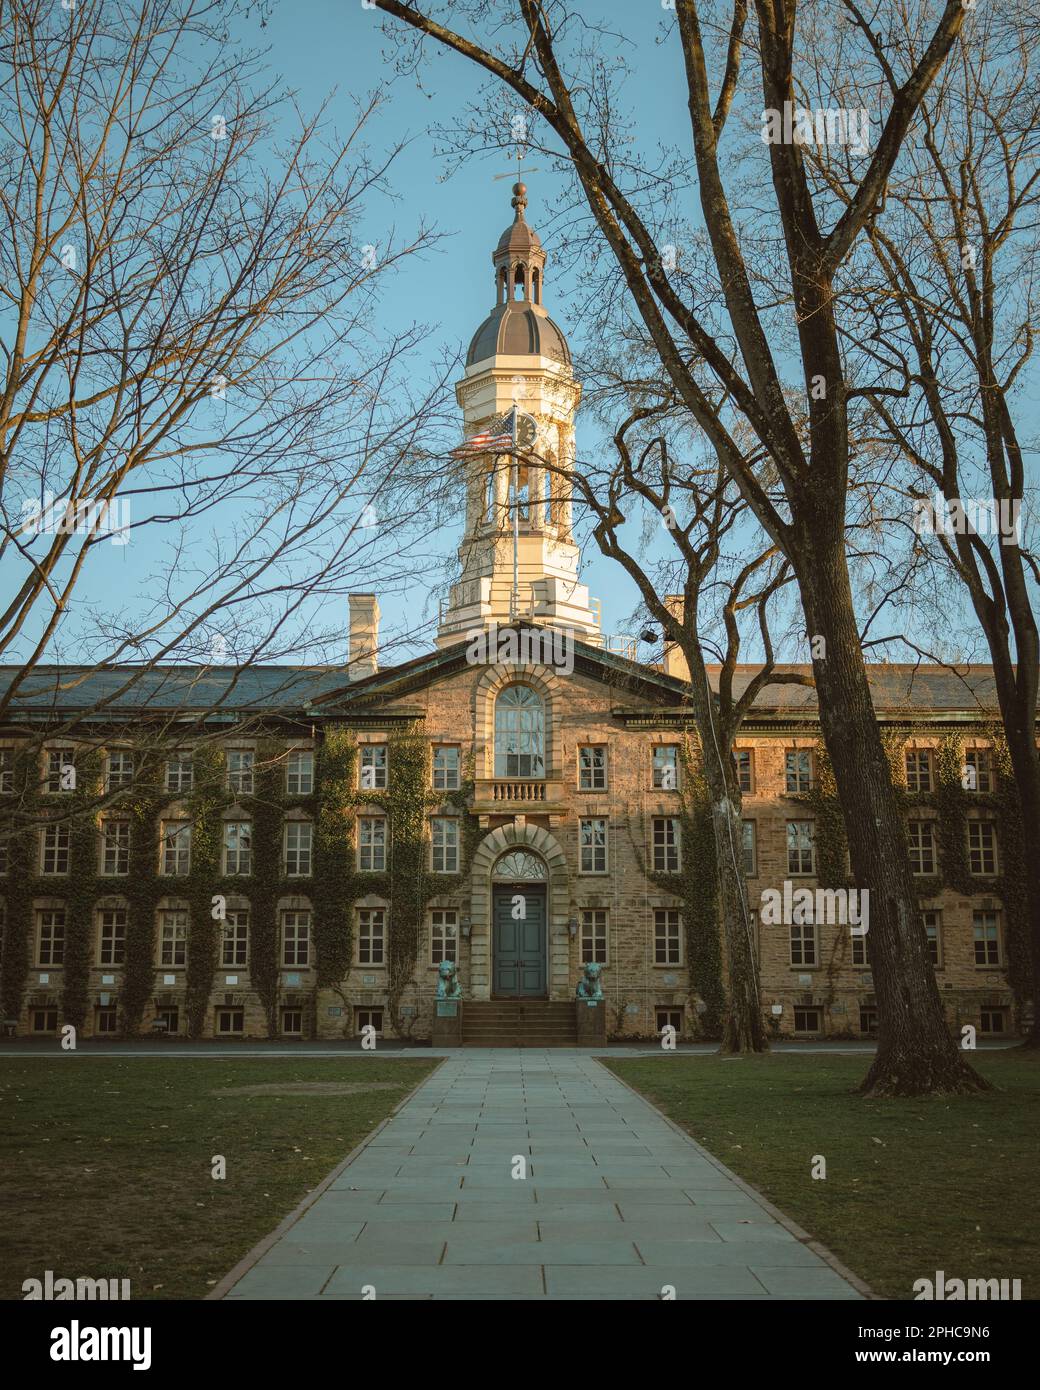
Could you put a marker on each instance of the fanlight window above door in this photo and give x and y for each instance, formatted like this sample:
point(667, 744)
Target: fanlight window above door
point(519, 733)
point(518, 865)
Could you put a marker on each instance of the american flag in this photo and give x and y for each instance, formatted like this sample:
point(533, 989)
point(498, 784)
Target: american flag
point(488, 441)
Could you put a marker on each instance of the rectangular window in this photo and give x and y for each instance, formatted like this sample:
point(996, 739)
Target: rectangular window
point(593, 839)
point(807, 1020)
point(238, 847)
point(445, 768)
point(373, 766)
point(45, 1020)
point(368, 1018)
point(170, 1017)
point(235, 947)
point(55, 842)
point(292, 1023)
point(801, 848)
point(986, 932)
point(61, 770)
point(803, 943)
point(372, 845)
point(4, 858)
point(978, 764)
point(921, 837)
point(119, 770)
point(6, 771)
point(592, 767)
point(992, 1020)
point(666, 1017)
point(299, 772)
point(444, 935)
point(115, 847)
point(594, 935)
point(231, 1022)
point(982, 847)
point(919, 769)
point(868, 1021)
point(665, 832)
point(667, 938)
point(861, 950)
point(371, 936)
point(176, 848)
point(296, 938)
point(298, 837)
point(173, 938)
point(666, 767)
point(749, 848)
point(50, 936)
point(179, 773)
point(445, 845)
point(798, 770)
point(933, 931)
point(105, 1021)
point(112, 946)
point(240, 770)
point(745, 769)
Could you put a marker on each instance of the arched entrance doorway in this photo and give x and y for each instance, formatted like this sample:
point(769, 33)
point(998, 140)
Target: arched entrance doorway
point(519, 926)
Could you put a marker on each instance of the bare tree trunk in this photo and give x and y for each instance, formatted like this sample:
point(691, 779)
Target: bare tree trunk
point(743, 1028)
point(1017, 710)
point(916, 1052)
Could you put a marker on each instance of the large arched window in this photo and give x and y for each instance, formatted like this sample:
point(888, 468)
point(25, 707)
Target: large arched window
point(519, 733)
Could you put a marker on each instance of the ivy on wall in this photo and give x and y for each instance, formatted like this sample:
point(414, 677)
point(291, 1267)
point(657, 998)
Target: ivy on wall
point(952, 805)
point(407, 884)
point(696, 886)
point(21, 873)
point(142, 888)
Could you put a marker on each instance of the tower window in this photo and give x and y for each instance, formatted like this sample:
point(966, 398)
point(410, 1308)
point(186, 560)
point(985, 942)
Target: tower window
point(518, 282)
point(536, 288)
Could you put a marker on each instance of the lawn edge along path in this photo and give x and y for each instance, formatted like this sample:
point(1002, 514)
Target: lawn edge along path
point(800, 1234)
point(253, 1256)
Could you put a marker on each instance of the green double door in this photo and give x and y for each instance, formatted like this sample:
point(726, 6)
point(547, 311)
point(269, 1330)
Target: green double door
point(518, 942)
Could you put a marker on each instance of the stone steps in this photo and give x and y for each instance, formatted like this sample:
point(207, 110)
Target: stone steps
point(519, 1023)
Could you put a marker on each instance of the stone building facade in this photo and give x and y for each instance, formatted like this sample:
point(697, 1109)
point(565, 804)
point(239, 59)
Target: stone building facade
point(293, 851)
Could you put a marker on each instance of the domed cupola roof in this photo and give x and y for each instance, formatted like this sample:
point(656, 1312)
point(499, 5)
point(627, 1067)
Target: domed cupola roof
point(518, 330)
point(518, 326)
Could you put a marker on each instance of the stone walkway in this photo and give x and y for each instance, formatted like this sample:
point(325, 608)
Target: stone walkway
point(616, 1204)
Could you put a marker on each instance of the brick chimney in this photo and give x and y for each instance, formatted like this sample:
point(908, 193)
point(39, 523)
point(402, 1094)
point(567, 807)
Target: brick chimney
point(674, 661)
point(364, 635)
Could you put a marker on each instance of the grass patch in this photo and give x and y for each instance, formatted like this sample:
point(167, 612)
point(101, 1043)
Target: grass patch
point(105, 1163)
point(912, 1186)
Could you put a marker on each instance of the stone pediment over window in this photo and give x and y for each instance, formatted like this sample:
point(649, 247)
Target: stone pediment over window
point(519, 865)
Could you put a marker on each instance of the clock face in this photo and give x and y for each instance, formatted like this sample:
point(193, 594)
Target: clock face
point(526, 432)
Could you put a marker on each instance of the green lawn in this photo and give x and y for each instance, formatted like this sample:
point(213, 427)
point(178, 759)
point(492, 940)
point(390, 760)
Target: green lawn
point(912, 1186)
point(105, 1163)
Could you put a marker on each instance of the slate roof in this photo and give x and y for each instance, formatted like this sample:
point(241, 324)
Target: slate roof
point(894, 687)
point(316, 690)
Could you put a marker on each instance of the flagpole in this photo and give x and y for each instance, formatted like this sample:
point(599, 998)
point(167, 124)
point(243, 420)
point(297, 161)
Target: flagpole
point(516, 520)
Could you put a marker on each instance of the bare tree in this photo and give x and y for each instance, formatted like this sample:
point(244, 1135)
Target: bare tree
point(191, 357)
point(542, 53)
point(941, 323)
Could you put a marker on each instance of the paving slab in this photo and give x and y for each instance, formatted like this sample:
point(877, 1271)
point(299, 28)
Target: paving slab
point(617, 1203)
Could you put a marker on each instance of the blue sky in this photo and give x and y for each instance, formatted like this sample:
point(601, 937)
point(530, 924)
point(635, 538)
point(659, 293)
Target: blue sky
point(323, 47)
